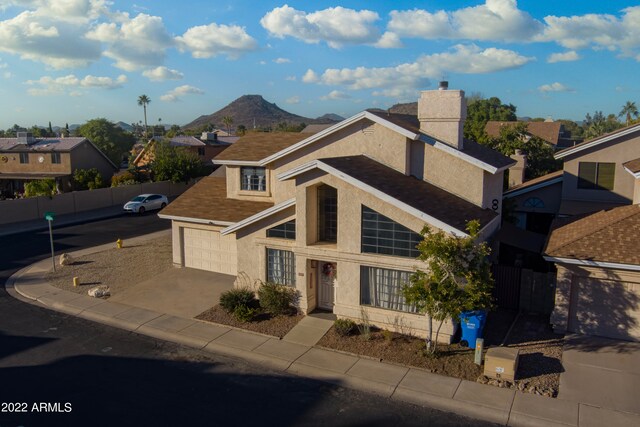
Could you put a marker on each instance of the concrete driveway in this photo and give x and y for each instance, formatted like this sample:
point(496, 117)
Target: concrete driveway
point(601, 372)
point(183, 292)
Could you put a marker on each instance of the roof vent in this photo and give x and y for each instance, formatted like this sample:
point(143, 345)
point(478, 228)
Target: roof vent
point(25, 138)
point(443, 85)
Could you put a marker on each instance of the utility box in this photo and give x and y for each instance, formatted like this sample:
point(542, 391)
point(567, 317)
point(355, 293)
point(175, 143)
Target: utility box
point(501, 363)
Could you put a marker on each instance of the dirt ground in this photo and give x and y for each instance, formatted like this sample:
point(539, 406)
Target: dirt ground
point(117, 268)
point(277, 326)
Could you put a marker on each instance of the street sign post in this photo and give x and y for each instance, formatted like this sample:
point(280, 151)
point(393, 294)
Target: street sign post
point(49, 217)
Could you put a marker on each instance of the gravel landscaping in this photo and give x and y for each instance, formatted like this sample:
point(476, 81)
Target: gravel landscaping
point(118, 269)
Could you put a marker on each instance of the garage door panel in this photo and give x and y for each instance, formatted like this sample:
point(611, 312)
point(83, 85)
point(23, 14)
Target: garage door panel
point(607, 308)
point(208, 250)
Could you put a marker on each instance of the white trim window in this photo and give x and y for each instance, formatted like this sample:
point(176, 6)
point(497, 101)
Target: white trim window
point(381, 287)
point(281, 267)
point(253, 178)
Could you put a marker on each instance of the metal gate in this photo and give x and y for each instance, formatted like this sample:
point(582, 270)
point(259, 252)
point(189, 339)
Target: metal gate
point(523, 289)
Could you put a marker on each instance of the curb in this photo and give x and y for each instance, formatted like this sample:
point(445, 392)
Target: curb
point(503, 406)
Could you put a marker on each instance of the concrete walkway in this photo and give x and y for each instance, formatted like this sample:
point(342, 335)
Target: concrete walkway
point(308, 331)
point(296, 355)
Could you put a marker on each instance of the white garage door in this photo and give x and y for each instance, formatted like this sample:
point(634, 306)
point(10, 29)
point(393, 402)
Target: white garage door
point(208, 250)
point(607, 308)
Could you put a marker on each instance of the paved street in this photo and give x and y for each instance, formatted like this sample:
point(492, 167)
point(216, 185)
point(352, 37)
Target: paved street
point(114, 377)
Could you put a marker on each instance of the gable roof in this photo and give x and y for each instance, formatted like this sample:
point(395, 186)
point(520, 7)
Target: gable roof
point(602, 238)
point(548, 131)
point(535, 183)
point(41, 145)
point(249, 151)
point(253, 147)
point(186, 141)
point(633, 167)
point(597, 141)
point(207, 203)
point(419, 198)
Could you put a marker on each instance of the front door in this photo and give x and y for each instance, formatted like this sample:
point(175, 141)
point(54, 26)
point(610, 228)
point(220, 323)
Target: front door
point(326, 282)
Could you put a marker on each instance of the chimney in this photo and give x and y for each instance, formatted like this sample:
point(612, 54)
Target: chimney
point(516, 172)
point(442, 114)
point(25, 138)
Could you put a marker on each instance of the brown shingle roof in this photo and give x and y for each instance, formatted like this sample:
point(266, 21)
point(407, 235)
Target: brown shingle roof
point(605, 236)
point(256, 146)
point(208, 200)
point(549, 131)
point(535, 181)
point(416, 193)
point(406, 121)
point(633, 165)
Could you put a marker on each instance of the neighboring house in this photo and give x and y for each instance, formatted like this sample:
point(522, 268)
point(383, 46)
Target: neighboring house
point(594, 175)
point(598, 281)
point(337, 214)
point(549, 131)
point(26, 158)
point(205, 151)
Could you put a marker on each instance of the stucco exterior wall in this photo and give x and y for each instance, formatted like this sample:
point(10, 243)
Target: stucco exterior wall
point(454, 175)
point(550, 196)
point(345, 253)
point(13, 164)
point(86, 156)
point(619, 151)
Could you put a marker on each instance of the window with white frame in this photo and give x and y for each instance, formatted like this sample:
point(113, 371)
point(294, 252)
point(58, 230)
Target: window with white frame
point(382, 235)
point(382, 287)
point(281, 267)
point(253, 178)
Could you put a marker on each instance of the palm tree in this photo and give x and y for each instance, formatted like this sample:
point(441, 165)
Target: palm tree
point(227, 121)
point(144, 100)
point(629, 110)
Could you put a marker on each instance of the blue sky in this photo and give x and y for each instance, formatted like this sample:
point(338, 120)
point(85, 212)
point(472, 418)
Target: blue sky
point(68, 61)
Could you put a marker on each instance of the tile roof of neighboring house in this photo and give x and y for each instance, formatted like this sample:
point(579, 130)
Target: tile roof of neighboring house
point(598, 140)
point(420, 195)
point(315, 128)
point(256, 146)
point(186, 141)
point(633, 166)
point(535, 182)
point(41, 144)
point(207, 201)
point(606, 236)
point(549, 131)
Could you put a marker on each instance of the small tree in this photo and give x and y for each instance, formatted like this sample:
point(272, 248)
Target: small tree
point(87, 179)
point(41, 187)
point(175, 164)
point(459, 277)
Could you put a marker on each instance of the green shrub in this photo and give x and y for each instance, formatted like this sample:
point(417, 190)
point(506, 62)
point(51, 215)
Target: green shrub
point(126, 178)
point(277, 299)
point(234, 298)
point(243, 313)
point(345, 327)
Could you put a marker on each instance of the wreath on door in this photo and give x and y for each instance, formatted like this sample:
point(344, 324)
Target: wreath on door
point(328, 269)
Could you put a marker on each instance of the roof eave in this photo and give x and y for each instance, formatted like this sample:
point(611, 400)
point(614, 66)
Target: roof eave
point(257, 217)
point(195, 220)
point(601, 140)
point(589, 263)
point(519, 191)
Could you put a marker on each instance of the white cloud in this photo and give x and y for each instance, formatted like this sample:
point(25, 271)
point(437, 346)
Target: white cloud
point(598, 31)
point(162, 73)
point(70, 84)
point(136, 43)
point(498, 20)
point(208, 41)
point(555, 87)
point(293, 100)
point(389, 40)
point(337, 26)
point(568, 56)
point(175, 94)
point(291, 78)
point(282, 60)
point(335, 94)
point(7, 74)
point(406, 78)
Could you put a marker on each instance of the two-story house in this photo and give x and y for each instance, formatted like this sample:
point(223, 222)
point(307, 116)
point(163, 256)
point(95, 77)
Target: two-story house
point(26, 158)
point(337, 214)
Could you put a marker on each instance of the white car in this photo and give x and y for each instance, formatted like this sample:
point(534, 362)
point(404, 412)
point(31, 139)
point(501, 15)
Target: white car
point(146, 202)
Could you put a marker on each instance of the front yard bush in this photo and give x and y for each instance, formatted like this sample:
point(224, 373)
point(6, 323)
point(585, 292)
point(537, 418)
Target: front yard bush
point(277, 299)
point(345, 327)
point(244, 314)
point(234, 298)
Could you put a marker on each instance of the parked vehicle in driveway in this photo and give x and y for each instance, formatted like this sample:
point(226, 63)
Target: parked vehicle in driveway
point(146, 202)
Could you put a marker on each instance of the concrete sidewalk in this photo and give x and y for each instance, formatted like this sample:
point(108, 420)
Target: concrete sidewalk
point(504, 406)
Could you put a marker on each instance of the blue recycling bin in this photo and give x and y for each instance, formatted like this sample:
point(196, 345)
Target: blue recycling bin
point(472, 323)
